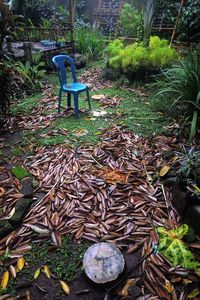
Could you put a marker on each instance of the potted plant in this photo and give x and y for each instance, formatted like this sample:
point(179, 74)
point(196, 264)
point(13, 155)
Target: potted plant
point(61, 42)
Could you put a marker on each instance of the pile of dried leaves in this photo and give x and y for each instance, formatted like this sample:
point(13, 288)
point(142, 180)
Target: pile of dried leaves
point(93, 77)
point(107, 101)
point(106, 193)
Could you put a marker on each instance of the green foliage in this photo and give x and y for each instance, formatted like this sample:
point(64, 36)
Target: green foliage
point(35, 10)
point(68, 259)
point(189, 24)
point(182, 84)
point(136, 56)
point(161, 55)
point(32, 73)
point(172, 246)
point(20, 172)
point(90, 42)
point(65, 262)
point(11, 86)
point(114, 48)
point(129, 20)
point(189, 161)
point(7, 22)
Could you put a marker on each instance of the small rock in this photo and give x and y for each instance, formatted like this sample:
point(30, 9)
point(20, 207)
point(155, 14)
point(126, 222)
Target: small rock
point(27, 187)
point(21, 208)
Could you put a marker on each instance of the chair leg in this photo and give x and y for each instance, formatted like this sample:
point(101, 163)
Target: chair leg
point(76, 105)
point(59, 100)
point(88, 98)
point(68, 99)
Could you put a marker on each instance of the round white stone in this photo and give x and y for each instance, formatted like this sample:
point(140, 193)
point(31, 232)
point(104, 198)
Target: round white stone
point(103, 262)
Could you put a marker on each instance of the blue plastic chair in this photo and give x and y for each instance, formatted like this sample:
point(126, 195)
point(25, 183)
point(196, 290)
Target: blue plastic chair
point(74, 88)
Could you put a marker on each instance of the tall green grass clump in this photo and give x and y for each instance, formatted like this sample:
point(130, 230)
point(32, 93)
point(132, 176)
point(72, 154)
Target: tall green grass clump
point(181, 85)
point(90, 42)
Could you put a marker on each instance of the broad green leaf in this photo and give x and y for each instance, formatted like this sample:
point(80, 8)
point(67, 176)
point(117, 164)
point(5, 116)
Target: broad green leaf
point(175, 249)
point(20, 172)
point(193, 294)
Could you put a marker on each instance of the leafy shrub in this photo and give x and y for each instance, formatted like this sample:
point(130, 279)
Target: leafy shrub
point(172, 246)
point(113, 48)
point(130, 20)
point(7, 22)
point(189, 163)
point(189, 23)
point(89, 42)
point(32, 73)
point(11, 87)
point(156, 42)
point(35, 10)
point(161, 55)
point(137, 56)
point(182, 84)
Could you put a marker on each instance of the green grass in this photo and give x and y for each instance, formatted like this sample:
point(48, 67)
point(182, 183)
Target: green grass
point(64, 262)
point(138, 115)
point(25, 105)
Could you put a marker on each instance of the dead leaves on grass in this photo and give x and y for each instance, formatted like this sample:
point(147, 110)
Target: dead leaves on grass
point(100, 193)
point(107, 101)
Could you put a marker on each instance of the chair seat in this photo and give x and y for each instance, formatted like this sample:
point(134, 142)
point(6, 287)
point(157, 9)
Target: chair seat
point(74, 87)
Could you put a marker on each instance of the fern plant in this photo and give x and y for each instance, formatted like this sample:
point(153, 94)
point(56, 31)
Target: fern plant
point(89, 42)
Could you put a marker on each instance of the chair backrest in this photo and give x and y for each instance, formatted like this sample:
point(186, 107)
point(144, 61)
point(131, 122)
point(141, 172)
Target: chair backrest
point(59, 62)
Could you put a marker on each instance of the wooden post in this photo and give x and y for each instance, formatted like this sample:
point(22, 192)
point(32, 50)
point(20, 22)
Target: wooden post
point(72, 16)
point(176, 24)
point(27, 51)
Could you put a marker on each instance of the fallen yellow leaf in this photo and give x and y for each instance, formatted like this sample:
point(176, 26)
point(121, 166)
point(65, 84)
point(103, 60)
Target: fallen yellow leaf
point(4, 280)
point(36, 274)
point(168, 286)
point(98, 97)
point(46, 271)
point(65, 287)
point(20, 263)
point(129, 283)
point(164, 171)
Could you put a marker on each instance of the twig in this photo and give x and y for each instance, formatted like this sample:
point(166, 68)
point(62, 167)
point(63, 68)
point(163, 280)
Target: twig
point(96, 161)
point(166, 202)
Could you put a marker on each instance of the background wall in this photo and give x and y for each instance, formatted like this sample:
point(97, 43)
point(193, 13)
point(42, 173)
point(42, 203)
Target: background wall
point(91, 7)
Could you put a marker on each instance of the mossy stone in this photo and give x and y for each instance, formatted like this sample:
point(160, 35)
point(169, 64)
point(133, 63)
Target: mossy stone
point(20, 172)
point(21, 208)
